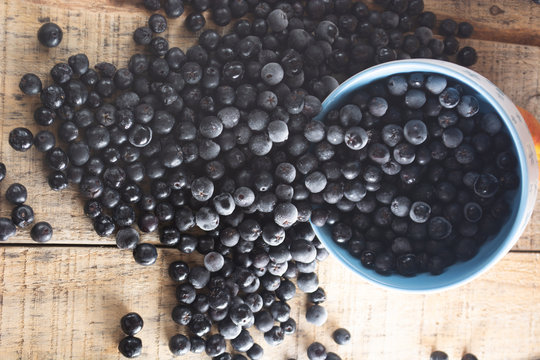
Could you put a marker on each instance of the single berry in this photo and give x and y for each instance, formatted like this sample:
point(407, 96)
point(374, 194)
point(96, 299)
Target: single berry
point(2, 171)
point(50, 35)
point(341, 336)
point(145, 254)
point(131, 323)
point(7, 228)
point(438, 355)
point(467, 56)
point(415, 132)
point(127, 238)
point(130, 347)
point(20, 139)
point(420, 212)
point(22, 215)
point(30, 84)
point(41, 232)
point(179, 344)
point(16, 194)
point(316, 351)
point(316, 314)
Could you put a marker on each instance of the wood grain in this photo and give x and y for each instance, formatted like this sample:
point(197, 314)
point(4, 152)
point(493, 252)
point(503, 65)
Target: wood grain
point(111, 41)
point(67, 302)
point(512, 21)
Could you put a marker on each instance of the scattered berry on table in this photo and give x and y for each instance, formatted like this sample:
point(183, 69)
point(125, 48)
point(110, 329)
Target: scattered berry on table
point(41, 232)
point(316, 351)
point(2, 171)
point(127, 238)
point(16, 194)
point(197, 344)
point(20, 139)
point(7, 228)
point(179, 345)
point(131, 323)
point(30, 84)
point(50, 35)
point(22, 215)
point(255, 352)
point(341, 336)
point(130, 347)
point(316, 314)
point(465, 29)
point(145, 254)
point(195, 21)
point(332, 356)
point(157, 23)
point(467, 56)
point(438, 355)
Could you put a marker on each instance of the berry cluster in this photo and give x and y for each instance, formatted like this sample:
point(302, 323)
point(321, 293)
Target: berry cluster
point(364, 36)
point(22, 214)
point(414, 174)
point(244, 284)
point(218, 138)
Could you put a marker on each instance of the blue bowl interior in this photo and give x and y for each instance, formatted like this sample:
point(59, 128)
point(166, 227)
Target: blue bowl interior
point(494, 248)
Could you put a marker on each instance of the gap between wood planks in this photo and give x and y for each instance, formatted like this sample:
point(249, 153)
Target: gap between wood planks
point(30, 245)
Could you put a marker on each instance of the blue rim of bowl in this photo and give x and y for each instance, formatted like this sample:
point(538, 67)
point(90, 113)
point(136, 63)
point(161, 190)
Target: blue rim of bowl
point(458, 73)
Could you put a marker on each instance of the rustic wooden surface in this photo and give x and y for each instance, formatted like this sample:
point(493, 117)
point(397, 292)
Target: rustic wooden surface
point(66, 303)
point(62, 301)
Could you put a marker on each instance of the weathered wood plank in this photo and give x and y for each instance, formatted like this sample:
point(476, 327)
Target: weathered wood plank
point(504, 64)
point(513, 21)
point(505, 21)
point(67, 302)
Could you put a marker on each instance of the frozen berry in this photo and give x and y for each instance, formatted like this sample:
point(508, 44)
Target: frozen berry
point(438, 355)
point(316, 351)
point(341, 336)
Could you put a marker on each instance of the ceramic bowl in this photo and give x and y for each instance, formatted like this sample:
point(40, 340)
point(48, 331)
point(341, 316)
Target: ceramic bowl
point(522, 200)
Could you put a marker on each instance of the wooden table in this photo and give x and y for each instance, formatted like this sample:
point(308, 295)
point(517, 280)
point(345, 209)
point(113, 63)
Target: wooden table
point(64, 299)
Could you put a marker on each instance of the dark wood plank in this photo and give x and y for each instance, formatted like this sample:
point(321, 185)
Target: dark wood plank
point(511, 21)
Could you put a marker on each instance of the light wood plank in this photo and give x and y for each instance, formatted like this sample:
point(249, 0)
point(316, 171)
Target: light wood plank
point(67, 302)
point(512, 67)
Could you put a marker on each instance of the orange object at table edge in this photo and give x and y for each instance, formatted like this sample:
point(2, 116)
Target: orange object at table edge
point(534, 127)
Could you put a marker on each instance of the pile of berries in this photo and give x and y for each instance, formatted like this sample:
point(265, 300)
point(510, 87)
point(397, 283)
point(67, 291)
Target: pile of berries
point(415, 174)
point(220, 138)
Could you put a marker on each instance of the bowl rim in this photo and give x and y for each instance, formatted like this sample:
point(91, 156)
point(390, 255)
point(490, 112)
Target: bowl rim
point(466, 76)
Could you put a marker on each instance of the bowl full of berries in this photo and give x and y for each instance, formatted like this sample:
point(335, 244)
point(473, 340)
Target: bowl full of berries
point(438, 175)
